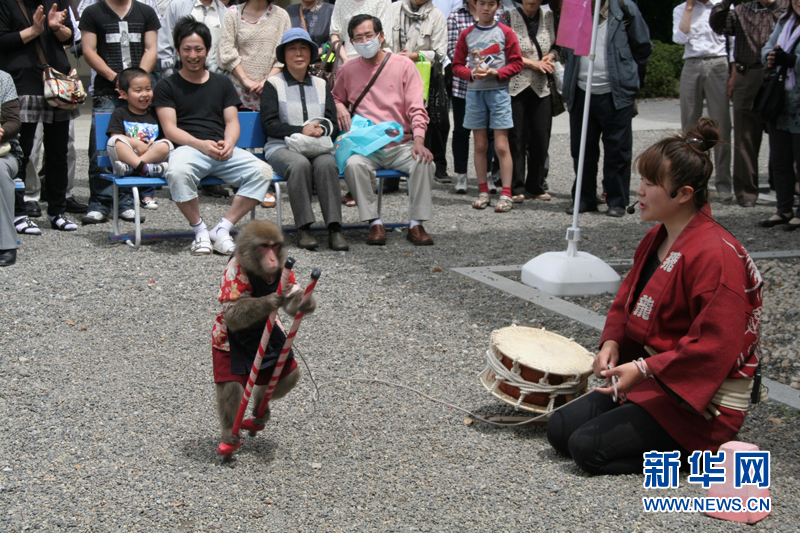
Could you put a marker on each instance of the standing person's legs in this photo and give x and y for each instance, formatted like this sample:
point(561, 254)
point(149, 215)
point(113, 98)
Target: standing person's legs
point(436, 142)
point(460, 142)
point(518, 138)
point(588, 200)
point(617, 152)
point(27, 136)
point(747, 134)
point(692, 94)
point(781, 160)
point(715, 88)
point(56, 137)
point(541, 124)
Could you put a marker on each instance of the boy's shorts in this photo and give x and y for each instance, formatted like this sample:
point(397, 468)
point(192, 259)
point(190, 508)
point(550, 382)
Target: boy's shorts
point(488, 109)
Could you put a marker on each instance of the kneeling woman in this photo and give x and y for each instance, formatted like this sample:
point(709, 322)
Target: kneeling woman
point(288, 101)
point(682, 334)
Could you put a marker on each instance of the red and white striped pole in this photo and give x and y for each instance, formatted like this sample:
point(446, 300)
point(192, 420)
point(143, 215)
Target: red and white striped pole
point(227, 449)
point(287, 346)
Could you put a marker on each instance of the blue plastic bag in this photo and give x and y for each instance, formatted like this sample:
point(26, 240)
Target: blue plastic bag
point(365, 138)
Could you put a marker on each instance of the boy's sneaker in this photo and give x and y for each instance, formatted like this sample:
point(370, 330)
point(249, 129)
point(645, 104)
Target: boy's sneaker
point(504, 205)
point(149, 203)
point(93, 217)
point(122, 169)
point(129, 215)
point(492, 186)
point(461, 184)
point(156, 170)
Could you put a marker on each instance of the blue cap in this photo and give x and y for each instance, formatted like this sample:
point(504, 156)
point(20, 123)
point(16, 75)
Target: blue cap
point(296, 34)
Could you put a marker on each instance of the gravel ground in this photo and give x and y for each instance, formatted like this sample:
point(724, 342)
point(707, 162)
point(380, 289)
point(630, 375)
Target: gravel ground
point(109, 406)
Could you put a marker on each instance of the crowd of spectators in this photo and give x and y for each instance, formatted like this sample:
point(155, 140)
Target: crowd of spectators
point(499, 60)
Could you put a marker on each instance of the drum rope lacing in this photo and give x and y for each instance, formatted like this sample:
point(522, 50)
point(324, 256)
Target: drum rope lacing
point(512, 377)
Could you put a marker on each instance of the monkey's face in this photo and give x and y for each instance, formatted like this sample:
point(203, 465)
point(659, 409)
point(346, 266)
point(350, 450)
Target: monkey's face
point(272, 256)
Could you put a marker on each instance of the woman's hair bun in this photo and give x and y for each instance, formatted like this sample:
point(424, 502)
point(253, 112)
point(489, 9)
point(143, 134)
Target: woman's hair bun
point(704, 135)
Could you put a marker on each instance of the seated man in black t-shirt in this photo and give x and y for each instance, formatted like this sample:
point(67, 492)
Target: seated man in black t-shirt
point(198, 111)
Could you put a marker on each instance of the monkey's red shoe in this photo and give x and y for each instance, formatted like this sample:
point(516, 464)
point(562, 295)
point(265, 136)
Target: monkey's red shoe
point(226, 450)
point(249, 424)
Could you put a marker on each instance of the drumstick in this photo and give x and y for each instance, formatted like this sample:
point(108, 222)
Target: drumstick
point(287, 346)
point(227, 449)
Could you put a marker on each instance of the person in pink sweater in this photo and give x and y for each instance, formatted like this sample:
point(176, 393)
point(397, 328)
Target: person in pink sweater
point(395, 96)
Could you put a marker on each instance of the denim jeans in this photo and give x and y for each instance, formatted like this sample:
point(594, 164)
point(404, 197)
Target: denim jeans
point(101, 191)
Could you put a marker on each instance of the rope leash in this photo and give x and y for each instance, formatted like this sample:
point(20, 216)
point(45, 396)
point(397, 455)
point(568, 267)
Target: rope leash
point(315, 396)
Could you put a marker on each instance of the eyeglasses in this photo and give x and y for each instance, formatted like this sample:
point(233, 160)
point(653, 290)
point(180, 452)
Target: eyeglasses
point(364, 38)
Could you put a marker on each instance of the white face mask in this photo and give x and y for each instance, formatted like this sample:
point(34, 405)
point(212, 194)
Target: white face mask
point(368, 49)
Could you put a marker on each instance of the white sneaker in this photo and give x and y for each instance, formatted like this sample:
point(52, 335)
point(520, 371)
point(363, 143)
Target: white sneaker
point(129, 215)
point(461, 184)
point(122, 169)
point(93, 217)
point(149, 204)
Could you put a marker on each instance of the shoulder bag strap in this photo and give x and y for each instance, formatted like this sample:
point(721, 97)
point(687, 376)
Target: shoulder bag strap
point(36, 39)
point(369, 85)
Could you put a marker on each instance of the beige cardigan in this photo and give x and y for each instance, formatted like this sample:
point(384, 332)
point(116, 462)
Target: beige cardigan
point(251, 45)
point(546, 37)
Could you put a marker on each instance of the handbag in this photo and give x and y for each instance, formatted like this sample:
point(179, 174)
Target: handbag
point(329, 63)
point(438, 105)
point(424, 69)
point(309, 146)
point(63, 91)
point(768, 103)
point(364, 138)
point(557, 105)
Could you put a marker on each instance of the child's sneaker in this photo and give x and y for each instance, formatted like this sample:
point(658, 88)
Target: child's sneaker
point(492, 186)
point(122, 169)
point(482, 202)
point(504, 204)
point(149, 203)
point(461, 184)
point(156, 170)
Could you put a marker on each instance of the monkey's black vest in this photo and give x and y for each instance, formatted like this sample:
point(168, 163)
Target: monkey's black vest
point(244, 343)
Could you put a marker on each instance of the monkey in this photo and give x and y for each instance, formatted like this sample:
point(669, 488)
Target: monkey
point(248, 296)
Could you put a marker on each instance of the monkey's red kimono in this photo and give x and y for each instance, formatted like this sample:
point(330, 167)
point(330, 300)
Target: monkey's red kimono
point(700, 314)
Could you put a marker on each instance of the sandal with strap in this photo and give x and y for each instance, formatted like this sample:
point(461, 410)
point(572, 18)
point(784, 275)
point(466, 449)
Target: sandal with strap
point(482, 202)
point(504, 205)
point(348, 200)
point(62, 223)
point(201, 246)
point(26, 226)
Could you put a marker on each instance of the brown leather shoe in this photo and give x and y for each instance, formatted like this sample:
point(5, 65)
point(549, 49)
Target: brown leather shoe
point(418, 236)
point(377, 235)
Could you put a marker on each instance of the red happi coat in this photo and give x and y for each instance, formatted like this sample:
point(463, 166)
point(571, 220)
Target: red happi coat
point(701, 313)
